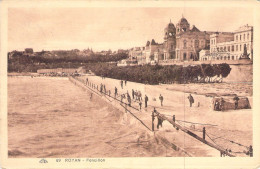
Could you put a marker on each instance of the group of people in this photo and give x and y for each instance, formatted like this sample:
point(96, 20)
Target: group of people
point(136, 95)
point(103, 88)
point(219, 104)
point(122, 83)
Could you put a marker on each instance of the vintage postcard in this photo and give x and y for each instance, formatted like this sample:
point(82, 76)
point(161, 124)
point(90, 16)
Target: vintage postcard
point(130, 84)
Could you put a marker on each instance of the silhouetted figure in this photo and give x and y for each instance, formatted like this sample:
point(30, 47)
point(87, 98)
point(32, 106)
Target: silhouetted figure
point(191, 100)
point(129, 99)
point(122, 97)
point(216, 106)
point(122, 84)
point(140, 105)
point(115, 92)
point(145, 101)
point(159, 122)
point(101, 88)
point(161, 99)
point(105, 90)
point(236, 102)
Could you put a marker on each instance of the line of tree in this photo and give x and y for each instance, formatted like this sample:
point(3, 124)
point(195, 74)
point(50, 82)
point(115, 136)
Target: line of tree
point(23, 63)
point(155, 74)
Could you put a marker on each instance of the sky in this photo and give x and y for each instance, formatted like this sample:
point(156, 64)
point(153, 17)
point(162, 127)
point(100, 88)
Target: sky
point(110, 28)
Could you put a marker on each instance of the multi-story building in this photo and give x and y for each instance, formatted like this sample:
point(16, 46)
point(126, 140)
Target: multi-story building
point(230, 45)
point(190, 41)
point(183, 43)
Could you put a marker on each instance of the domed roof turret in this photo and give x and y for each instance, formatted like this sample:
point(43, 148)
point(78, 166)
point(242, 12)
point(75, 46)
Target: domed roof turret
point(170, 26)
point(183, 20)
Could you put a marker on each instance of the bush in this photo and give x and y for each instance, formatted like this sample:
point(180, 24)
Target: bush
point(160, 74)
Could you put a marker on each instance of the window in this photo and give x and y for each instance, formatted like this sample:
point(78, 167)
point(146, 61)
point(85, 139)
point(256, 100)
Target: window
point(191, 56)
point(237, 37)
point(228, 58)
point(240, 37)
point(229, 48)
point(225, 48)
point(197, 43)
point(236, 47)
point(184, 56)
point(232, 57)
point(244, 37)
point(232, 48)
point(184, 44)
point(248, 36)
point(240, 48)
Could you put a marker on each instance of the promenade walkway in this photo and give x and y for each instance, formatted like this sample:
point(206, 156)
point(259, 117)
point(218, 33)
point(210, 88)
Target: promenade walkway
point(221, 127)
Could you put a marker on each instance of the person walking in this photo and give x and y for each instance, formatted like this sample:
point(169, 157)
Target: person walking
point(105, 90)
point(122, 97)
point(133, 93)
point(121, 82)
point(145, 101)
point(159, 122)
point(125, 82)
point(101, 88)
point(191, 100)
point(115, 92)
point(140, 105)
point(129, 99)
point(161, 99)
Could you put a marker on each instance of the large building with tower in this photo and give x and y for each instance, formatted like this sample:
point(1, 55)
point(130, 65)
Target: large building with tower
point(187, 43)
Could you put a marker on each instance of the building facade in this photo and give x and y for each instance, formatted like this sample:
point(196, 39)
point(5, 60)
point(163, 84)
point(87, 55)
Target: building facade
point(185, 43)
point(190, 41)
point(230, 45)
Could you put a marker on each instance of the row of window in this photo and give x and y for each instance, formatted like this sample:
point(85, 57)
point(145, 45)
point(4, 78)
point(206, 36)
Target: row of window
point(196, 43)
point(213, 41)
point(230, 48)
point(239, 37)
point(242, 36)
point(223, 58)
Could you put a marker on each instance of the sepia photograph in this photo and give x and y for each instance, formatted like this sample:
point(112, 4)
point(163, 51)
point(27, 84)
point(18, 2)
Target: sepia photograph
point(108, 82)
